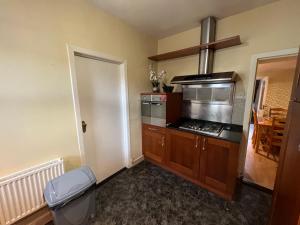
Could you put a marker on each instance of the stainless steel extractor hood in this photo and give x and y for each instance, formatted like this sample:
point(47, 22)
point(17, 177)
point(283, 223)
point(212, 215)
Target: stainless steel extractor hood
point(223, 77)
point(206, 59)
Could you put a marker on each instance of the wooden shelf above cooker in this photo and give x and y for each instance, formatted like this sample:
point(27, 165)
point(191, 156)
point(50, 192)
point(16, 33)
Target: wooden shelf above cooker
point(224, 43)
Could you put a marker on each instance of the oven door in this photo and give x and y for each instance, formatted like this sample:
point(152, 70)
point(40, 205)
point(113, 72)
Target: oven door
point(154, 113)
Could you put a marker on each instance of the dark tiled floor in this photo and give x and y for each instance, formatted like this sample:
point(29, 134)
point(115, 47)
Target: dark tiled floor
point(146, 194)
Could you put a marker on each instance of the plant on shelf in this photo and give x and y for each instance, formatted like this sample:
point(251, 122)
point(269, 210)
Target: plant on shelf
point(156, 78)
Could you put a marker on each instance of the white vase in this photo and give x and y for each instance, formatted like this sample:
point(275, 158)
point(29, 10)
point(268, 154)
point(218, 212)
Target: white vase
point(155, 89)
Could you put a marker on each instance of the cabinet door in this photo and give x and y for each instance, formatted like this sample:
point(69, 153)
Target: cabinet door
point(183, 152)
point(286, 196)
point(296, 84)
point(219, 164)
point(154, 142)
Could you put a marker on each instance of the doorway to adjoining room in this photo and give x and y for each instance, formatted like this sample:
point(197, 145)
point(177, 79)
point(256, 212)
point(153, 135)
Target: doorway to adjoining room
point(271, 96)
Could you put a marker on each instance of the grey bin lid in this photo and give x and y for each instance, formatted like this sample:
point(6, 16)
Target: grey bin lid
point(69, 185)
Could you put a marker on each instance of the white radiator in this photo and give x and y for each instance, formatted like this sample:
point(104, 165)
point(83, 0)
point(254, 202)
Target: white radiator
point(21, 193)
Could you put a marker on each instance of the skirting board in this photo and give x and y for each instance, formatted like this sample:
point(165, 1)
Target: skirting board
point(137, 160)
point(40, 217)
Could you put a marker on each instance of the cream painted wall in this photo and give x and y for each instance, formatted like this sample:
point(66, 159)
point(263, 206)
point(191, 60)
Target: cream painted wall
point(279, 87)
point(264, 29)
point(35, 94)
point(268, 28)
point(37, 117)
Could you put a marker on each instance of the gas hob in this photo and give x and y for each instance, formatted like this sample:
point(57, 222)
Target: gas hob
point(204, 127)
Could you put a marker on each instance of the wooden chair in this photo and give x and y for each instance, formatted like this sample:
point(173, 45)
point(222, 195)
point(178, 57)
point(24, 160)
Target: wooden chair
point(278, 112)
point(275, 136)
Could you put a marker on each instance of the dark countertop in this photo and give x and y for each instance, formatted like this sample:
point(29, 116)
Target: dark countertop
point(230, 132)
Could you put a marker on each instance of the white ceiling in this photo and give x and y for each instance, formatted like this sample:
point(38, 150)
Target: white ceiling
point(161, 18)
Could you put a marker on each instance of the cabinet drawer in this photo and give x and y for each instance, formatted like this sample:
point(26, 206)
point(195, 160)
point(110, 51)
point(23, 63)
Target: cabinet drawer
point(147, 127)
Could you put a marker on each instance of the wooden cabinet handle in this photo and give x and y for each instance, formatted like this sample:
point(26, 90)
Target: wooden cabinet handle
point(196, 144)
point(204, 143)
point(162, 141)
point(152, 129)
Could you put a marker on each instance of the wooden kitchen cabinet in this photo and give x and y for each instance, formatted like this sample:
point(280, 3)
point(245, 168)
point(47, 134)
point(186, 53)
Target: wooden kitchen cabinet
point(219, 165)
point(208, 162)
point(153, 138)
point(182, 152)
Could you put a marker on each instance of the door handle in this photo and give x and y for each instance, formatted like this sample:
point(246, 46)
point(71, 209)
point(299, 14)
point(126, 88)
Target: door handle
point(83, 125)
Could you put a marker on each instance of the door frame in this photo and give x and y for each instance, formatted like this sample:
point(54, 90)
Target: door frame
point(87, 53)
point(250, 91)
point(262, 96)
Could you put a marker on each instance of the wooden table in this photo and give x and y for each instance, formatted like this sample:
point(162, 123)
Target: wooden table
point(264, 124)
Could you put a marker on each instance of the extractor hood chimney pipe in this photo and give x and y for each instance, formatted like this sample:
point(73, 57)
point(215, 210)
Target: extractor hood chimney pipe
point(206, 60)
point(206, 57)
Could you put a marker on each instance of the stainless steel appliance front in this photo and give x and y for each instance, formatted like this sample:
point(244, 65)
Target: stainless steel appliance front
point(212, 102)
point(154, 109)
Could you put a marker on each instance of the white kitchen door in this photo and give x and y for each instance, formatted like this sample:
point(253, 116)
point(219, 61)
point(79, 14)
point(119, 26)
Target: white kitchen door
point(99, 85)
